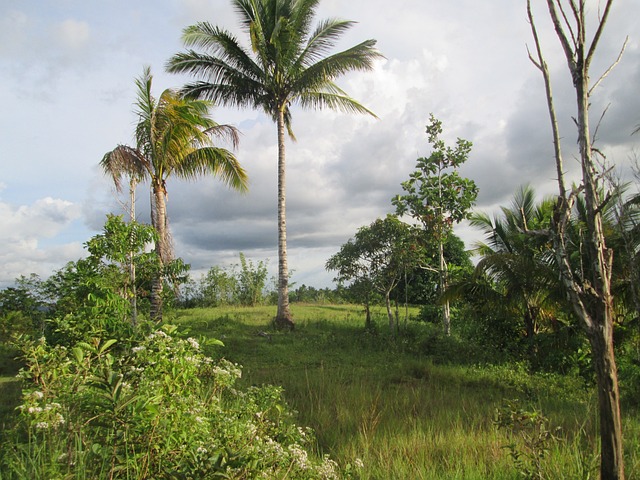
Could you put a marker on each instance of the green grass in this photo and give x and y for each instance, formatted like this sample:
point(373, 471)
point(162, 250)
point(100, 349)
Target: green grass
point(413, 406)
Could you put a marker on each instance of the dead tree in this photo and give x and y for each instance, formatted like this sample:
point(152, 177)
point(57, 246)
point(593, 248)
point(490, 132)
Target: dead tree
point(588, 289)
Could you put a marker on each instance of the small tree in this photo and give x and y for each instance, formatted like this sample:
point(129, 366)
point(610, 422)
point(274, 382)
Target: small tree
point(250, 281)
point(218, 287)
point(438, 197)
point(376, 259)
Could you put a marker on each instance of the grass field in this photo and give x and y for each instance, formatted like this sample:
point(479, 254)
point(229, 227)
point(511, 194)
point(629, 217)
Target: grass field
point(411, 406)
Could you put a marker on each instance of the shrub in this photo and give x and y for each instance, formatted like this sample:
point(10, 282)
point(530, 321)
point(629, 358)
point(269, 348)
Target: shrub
point(158, 409)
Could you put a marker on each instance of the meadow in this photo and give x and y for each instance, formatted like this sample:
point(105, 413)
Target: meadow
point(415, 404)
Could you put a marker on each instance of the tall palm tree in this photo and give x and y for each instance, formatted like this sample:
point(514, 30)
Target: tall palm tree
point(174, 136)
point(285, 65)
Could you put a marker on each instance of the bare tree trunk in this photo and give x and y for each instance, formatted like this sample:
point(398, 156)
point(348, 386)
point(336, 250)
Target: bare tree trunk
point(589, 291)
point(446, 311)
point(387, 302)
point(283, 316)
point(368, 324)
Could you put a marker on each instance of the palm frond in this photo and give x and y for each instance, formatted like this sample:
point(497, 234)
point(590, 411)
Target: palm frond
point(214, 161)
point(323, 39)
point(124, 161)
point(319, 100)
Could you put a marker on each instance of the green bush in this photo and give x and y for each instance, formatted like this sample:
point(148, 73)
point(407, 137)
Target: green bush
point(158, 409)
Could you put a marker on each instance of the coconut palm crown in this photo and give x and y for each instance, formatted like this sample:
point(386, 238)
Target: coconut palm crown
point(286, 63)
point(174, 137)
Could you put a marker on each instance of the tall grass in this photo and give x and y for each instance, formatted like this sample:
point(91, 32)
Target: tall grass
point(410, 405)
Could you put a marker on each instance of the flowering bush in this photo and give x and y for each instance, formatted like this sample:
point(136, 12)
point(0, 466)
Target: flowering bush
point(158, 408)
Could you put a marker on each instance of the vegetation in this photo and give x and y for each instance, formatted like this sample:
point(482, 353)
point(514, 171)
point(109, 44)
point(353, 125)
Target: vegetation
point(546, 322)
point(287, 64)
point(375, 261)
point(438, 198)
point(173, 138)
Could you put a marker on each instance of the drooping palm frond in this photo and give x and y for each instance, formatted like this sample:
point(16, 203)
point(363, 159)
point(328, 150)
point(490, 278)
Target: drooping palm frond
point(124, 161)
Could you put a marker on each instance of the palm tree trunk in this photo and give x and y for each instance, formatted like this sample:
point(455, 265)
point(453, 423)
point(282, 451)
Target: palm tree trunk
point(283, 316)
point(132, 266)
point(159, 219)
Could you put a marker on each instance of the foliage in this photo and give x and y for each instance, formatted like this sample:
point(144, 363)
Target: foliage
point(376, 259)
point(422, 286)
point(251, 282)
point(240, 284)
point(438, 197)
point(286, 64)
point(533, 428)
point(156, 407)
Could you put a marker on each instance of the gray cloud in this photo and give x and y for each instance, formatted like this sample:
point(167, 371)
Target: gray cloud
point(68, 83)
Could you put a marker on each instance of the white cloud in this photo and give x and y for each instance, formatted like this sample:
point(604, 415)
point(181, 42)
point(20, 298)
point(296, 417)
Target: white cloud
point(24, 228)
point(72, 34)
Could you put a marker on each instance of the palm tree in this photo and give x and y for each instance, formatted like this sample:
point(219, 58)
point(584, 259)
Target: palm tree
point(174, 136)
point(518, 259)
point(286, 65)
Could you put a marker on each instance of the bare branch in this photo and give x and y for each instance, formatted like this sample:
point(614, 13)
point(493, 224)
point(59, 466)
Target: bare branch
point(538, 66)
point(595, 132)
point(542, 65)
point(611, 67)
point(596, 37)
point(560, 32)
point(576, 16)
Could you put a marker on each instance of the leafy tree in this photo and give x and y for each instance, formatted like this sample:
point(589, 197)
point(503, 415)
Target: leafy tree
point(91, 296)
point(250, 281)
point(123, 244)
point(438, 197)
point(589, 288)
point(376, 259)
point(174, 136)
point(423, 284)
point(286, 64)
point(218, 287)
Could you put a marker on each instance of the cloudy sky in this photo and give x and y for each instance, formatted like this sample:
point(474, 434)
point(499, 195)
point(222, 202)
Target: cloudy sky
point(67, 70)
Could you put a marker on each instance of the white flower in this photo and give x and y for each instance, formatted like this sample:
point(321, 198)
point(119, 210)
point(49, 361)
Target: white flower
point(42, 425)
point(37, 394)
point(194, 343)
point(299, 455)
point(59, 420)
point(328, 468)
point(358, 463)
